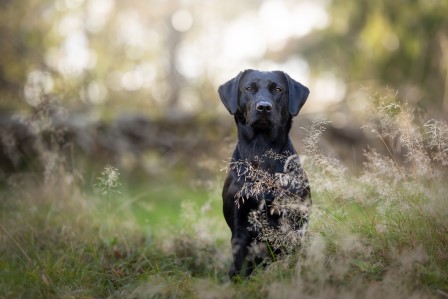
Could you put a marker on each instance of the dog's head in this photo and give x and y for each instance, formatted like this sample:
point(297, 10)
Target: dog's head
point(263, 99)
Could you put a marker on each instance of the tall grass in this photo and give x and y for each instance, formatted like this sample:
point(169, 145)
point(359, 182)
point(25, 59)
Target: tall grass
point(380, 233)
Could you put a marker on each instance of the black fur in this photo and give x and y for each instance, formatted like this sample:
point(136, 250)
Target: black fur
point(263, 105)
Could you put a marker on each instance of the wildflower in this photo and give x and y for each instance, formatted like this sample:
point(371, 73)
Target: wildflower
point(437, 131)
point(108, 181)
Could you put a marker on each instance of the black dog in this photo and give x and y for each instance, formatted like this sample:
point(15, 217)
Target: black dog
point(264, 167)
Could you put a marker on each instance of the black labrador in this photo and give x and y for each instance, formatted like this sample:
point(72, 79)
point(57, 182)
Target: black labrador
point(261, 169)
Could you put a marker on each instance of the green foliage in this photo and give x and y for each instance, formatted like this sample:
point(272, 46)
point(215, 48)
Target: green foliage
point(109, 54)
point(398, 44)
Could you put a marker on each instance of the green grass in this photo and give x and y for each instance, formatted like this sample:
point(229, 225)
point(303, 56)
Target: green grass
point(380, 234)
point(61, 242)
point(172, 242)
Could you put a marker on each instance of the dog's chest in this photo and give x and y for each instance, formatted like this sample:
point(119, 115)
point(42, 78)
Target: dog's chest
point(258, 180)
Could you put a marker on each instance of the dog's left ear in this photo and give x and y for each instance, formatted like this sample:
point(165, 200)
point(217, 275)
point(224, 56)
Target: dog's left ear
point(298, 94)
point(228, 92)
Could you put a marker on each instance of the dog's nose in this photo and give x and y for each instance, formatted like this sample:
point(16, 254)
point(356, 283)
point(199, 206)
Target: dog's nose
point(264, 106)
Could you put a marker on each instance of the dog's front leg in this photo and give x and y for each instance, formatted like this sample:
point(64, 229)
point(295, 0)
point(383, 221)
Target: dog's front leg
point(242, 266)
point(241, 240)
point(240, 243)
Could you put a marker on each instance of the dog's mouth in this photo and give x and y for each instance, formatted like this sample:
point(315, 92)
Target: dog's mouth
point(262, 123)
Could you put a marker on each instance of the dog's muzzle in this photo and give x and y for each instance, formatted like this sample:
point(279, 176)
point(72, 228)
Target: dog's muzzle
point(262, 116)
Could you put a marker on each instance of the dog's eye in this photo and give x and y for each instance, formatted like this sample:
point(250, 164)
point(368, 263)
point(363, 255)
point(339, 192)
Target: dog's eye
point(278, 90)
point(249, 89)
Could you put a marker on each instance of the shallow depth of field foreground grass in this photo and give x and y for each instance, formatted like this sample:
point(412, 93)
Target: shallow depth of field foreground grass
point(382, 233)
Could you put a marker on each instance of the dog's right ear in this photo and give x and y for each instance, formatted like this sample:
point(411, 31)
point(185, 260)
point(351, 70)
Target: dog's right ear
point(228, 92)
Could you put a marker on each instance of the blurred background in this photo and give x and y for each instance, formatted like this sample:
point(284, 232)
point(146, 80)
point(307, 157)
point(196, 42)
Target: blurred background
point(133, 83)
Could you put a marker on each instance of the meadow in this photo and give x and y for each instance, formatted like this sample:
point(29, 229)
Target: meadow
point(380, 231)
